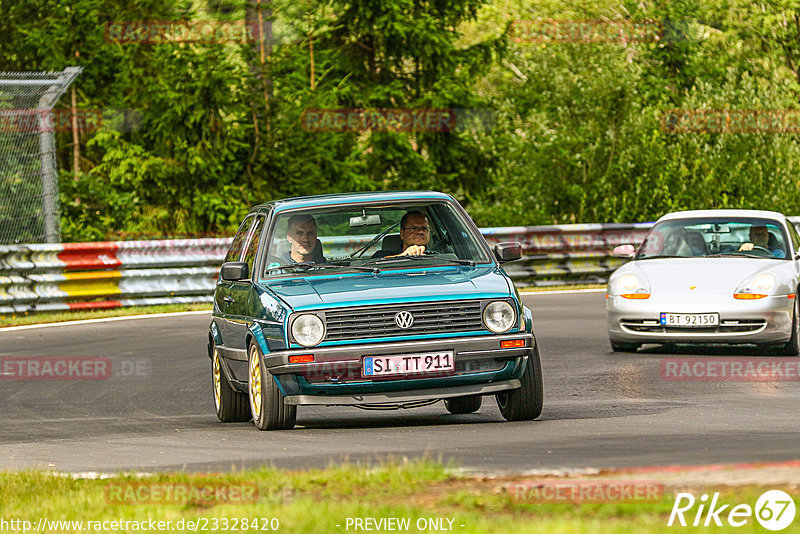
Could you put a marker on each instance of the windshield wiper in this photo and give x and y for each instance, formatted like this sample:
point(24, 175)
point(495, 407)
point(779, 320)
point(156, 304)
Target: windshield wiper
point(459, 261)
point(389, 259)
point(306, 265)
point(358, 253)
point(744, 254)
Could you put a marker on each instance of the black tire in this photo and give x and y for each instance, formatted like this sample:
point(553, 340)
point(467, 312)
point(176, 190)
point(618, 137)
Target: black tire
point(267, 406)
point(524, 403)
point(461, 405)
point(231, 406)
point(792, 348)
point(618, 346)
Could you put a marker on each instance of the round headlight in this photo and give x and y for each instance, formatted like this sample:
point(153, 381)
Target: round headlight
point(764, 283)
point(308, 330)
point(628, 283)
point(499, 316)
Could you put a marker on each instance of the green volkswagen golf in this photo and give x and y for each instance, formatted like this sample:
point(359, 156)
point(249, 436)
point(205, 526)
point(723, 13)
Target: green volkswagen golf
point(374, 300)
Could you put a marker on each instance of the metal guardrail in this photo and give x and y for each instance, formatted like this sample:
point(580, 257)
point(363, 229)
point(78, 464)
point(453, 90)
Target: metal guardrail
point(568, 253)
point(47, 277)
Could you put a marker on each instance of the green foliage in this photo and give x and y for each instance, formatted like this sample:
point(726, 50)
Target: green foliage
point(567, 131)
point(582, 126)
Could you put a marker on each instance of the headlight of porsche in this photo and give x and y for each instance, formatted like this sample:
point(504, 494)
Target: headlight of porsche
point(756, 288)
point(499, 316)
point(630, 286)
point(308, 330)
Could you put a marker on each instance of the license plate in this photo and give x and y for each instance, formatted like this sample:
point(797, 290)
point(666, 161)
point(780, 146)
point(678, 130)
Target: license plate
point(406, 364)
point(690, 319)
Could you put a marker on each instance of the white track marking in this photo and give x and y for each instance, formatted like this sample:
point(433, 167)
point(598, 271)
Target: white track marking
point(103, 320)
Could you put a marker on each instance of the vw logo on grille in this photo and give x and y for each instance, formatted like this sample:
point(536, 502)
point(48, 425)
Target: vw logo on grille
point(404, 319)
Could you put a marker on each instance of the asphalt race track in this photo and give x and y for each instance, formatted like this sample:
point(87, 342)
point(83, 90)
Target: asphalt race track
point(155, 410)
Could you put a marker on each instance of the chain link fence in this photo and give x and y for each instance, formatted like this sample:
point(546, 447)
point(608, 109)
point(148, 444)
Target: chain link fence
point(29, 204)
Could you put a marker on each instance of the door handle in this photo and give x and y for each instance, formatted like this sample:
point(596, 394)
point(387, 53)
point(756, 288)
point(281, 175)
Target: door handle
point(229, 300)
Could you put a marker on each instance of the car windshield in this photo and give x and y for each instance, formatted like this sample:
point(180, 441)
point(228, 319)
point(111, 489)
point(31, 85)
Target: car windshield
point(372, 238)
point(715, 237)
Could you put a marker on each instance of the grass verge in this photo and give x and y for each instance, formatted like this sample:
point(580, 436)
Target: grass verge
point(425, 494)
point(78, 315)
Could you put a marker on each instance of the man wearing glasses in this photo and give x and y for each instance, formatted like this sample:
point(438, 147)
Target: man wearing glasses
point(415, 233)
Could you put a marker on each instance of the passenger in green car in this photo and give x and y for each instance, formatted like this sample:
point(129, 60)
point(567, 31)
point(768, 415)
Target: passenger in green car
point(302, 236)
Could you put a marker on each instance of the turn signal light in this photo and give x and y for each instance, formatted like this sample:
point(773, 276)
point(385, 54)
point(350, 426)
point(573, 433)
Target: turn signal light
point(301, 358)
point(790, 296)
point(748, 296)
point(512, 344)
point(635, 295)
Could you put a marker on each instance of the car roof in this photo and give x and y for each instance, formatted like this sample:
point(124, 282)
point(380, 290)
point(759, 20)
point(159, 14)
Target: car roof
point(696, 214)
point(350, 198)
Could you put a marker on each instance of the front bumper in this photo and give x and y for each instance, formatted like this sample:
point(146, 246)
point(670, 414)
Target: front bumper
point(481, 367)
point(400, 397)
point(767, 320)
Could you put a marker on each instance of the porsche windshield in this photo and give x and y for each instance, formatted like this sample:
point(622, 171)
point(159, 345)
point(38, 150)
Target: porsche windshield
point(695, 238)
point(372, 237)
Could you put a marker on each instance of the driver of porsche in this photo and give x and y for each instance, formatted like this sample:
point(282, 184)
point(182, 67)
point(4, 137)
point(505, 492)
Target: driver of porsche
point(759, 237)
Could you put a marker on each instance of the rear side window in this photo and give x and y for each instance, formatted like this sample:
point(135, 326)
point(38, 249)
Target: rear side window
point(252, 247)
point(238, 241)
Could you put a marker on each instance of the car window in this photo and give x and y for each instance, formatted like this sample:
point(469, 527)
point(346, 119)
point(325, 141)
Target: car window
point(712, 237)
point(354, 235)
point(793, 234)
point(235, 251)
point(253, 240)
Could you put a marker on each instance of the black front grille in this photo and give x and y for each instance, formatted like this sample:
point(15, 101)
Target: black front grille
point(726, 326)
point(379, 321)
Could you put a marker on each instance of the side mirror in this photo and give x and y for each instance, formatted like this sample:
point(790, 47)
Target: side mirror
point(233, 271)
point(508, 251)
point(624, 251)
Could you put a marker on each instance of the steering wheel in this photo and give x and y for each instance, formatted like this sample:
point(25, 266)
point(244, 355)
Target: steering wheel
point(760, 250)
point(440, 245)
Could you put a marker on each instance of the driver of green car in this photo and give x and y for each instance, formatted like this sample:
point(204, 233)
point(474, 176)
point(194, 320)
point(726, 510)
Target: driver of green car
point(415, 232)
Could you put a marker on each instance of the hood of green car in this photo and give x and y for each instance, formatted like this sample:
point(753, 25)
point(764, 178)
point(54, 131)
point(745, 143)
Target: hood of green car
point(389, 286)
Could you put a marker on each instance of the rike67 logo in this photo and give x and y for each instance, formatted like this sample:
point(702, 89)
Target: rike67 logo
point(774, 510)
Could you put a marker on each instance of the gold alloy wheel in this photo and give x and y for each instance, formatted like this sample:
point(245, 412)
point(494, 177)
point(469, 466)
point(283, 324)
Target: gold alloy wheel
point(255, 382)
point(217, 380)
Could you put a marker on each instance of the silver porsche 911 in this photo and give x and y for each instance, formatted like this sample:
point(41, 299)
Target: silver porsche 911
point(710, 276)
